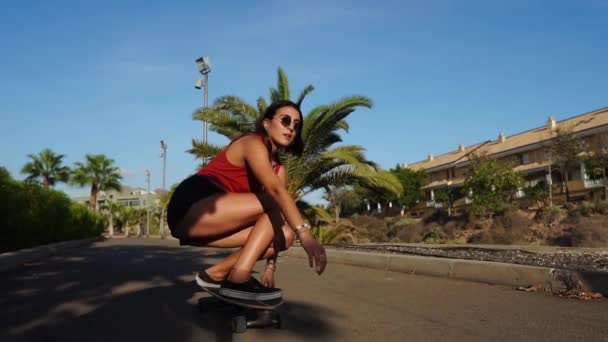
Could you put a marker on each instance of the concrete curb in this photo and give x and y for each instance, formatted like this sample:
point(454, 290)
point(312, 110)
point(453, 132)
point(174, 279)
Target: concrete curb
point(12, 260)
point(495, 273)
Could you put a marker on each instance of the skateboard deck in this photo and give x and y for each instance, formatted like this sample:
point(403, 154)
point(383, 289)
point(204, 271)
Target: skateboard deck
point(247, 313)
point(250, 304)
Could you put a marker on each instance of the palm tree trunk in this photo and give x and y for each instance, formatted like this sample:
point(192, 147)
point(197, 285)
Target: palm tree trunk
point(94, 197)
point(337, 212)
point(111, 225)
point(605, 185)
point(45, 181)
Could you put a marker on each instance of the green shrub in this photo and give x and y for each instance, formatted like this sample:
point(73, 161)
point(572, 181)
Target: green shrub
point(32, 215)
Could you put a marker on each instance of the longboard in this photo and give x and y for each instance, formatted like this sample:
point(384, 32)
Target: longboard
point(249, 313)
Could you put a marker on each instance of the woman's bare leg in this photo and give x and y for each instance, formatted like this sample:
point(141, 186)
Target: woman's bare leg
point(221, 215)
point(222, 220)
point(220, 270)
point(257, 242)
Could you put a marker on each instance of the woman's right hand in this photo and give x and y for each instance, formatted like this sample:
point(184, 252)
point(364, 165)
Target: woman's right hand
point(316, 252)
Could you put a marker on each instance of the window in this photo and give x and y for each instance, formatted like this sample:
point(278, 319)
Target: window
point(525, 159)
point(450, 173)
point(539, 156)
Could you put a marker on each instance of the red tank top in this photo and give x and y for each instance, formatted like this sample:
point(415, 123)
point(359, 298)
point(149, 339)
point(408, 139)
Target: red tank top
point(233, 178)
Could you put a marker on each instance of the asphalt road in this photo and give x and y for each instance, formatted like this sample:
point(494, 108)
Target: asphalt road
point(142, 290)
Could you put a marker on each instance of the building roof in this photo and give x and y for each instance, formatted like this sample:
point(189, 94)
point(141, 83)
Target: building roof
point(444, 182)
point(577, 124)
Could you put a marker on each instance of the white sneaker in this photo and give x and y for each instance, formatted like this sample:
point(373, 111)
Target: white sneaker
point(203, 280)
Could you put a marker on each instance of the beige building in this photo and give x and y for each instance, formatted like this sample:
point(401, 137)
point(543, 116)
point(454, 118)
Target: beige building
point(528, 152)
point(127, 197)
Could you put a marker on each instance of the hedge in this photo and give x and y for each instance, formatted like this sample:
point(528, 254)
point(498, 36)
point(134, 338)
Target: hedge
point(31, 215)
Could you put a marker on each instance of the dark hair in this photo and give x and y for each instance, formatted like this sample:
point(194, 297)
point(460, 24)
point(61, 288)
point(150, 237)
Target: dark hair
point(297, 146)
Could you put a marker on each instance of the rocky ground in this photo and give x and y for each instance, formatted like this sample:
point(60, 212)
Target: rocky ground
point(562, 259)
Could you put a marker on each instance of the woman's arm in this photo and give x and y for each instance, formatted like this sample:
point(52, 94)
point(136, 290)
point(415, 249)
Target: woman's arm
point(256, 157)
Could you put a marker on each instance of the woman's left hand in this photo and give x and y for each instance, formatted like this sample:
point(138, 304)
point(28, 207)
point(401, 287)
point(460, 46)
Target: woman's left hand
point(268, 277)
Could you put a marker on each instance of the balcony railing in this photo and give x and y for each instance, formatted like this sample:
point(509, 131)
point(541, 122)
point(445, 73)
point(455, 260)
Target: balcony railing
point(594, 183)
point(434, 204)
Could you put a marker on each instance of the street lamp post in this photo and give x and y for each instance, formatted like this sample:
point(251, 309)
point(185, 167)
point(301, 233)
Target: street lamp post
point(163, 145)
point(148, 205)
point(204, 67)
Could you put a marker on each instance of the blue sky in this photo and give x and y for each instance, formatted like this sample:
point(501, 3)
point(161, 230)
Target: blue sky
point(116, 77)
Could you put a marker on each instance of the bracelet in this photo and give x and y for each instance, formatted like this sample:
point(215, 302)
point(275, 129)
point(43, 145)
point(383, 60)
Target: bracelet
point(270, 264)
point(300, 226)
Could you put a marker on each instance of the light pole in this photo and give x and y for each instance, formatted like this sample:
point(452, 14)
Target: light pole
point(163, 145)
point(204, 67)
point(148, 205)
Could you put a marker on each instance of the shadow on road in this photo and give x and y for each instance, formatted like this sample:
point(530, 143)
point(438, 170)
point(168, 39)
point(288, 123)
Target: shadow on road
point(126, 291)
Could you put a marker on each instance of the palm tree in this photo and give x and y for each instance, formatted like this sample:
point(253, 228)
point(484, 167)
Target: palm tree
point(48, 166)
point(112, 210)
point(164, 198)
point(321, 166)
point(100, 173)
point(129, 216)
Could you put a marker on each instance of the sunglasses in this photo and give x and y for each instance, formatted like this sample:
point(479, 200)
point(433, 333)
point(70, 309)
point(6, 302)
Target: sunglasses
point(286, 122)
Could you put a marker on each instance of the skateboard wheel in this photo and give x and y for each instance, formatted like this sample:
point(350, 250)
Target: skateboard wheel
point(239, 324)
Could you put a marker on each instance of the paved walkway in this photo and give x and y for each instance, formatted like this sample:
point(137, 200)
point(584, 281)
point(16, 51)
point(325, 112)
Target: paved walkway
point(142, 290)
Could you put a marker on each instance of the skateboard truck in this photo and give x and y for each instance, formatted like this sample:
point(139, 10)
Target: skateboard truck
point(246, 314)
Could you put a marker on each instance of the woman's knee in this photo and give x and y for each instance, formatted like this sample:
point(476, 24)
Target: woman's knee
point(289, 235)
point(267, 202)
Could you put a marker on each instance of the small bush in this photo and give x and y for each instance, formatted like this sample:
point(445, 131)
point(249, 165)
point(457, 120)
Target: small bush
point(411, 233)
point(514, 218)
point(451, 227)
point(586, 209)
point(554, 214)
point(434, 233)
point(601, 207)
point(370, 228)
point(497, 234)
point(439, 216)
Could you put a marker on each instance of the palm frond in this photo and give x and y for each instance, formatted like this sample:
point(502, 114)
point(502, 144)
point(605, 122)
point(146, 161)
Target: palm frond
point(275, 95)
point(262, 105)
point(237, 107)
point(307, 90)
point(282, 85)
point(331, 234)
point(200, 150)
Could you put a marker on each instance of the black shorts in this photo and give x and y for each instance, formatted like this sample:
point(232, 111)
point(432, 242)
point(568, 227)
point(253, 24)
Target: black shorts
point(188, 192)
